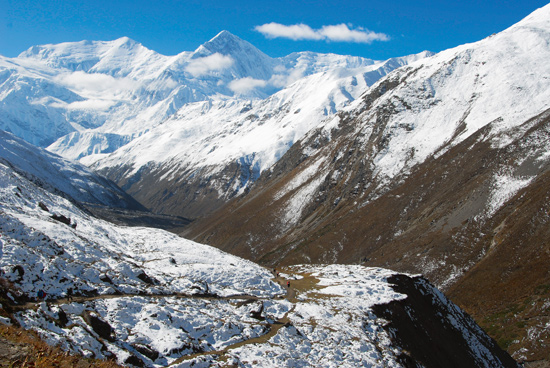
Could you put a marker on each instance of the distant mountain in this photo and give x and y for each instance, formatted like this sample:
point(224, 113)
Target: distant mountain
point(91, 99)
point(440, 168)
point(146, 297)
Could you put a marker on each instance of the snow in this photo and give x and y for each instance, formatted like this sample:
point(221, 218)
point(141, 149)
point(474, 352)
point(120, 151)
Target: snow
point(146, 294)
point(173, 314)
point(117, 103)
point(94, 97)
point(302, 177)
point(335, 331)
point(95, 249)
point(171, 311)
point(504, 188)
point(56, 173)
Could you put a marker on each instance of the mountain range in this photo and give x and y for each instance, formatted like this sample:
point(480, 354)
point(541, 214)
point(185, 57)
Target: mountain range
point(188, 123)
point(432, 164)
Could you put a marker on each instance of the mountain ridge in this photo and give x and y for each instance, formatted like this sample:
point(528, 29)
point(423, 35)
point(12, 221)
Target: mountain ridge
point(415, 174)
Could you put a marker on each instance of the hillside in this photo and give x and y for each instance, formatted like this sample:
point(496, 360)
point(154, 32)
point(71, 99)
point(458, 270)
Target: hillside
point(146, 297)
point(440, 169)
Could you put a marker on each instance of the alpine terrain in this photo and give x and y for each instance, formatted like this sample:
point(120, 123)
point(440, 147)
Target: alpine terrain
point(440, 168)
point(146, 297)
point(185, 133)
point(347, 192)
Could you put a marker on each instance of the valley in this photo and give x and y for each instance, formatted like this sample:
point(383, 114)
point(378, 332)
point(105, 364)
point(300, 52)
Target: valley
point(154, 199)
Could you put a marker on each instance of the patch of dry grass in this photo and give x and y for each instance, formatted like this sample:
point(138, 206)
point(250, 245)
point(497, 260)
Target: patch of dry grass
point(22, 348)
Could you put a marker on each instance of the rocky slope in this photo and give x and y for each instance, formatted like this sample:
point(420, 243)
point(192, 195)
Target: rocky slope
point(146, 297)
point(440, 168)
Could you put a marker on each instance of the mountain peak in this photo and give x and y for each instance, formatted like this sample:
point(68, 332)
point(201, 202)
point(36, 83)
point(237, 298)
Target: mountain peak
point(227, 43)
point(225, 35)
point(124, 42)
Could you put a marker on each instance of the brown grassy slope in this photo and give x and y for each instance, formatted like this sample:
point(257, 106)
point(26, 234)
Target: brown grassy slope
point(430, 222)
point(508, 290)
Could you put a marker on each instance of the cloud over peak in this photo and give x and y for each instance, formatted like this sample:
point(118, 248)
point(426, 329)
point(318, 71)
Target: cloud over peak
point(337, 33)
point(245, 85)
point(204, 65)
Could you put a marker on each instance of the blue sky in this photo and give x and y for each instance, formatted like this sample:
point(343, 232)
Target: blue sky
point(375, 29)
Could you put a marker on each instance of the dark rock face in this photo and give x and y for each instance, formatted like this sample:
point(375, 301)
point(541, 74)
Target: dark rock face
point(100, 327)
point(433, 332)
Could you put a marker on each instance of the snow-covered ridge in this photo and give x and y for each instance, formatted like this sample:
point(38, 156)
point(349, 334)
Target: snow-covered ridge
point(83, 85)
point(58, 175)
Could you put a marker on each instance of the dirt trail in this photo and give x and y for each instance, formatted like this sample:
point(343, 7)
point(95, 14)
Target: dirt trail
point(301, 284)
point(83, 299)
point(304, 284)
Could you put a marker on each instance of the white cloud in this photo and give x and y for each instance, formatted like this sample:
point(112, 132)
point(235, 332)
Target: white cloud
point(102, 105)
point(245, 85)
point(286, 77)
point(337, 33)
point(294, 32)
point(91, 104)
point(201, 66)
point(342, 33)
point(96, 83)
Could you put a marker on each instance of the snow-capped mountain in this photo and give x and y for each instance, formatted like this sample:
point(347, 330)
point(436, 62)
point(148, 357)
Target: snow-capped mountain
point(146, 297)
point(208, 152)
point(89, 99)
point(441, 168)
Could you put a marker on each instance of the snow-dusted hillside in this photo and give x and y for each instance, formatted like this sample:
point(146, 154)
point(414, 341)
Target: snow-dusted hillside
point(426, 108)
point(58, 175)
point(146, 297)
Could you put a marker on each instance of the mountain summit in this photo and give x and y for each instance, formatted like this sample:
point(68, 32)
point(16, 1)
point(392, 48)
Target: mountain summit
point(227, 43)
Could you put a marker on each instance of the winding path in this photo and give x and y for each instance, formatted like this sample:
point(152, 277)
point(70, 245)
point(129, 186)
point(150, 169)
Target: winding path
point(304, 284)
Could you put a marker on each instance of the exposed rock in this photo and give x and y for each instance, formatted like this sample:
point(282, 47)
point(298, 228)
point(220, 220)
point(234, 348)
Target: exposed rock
point(100, 327)
point(432, 332)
